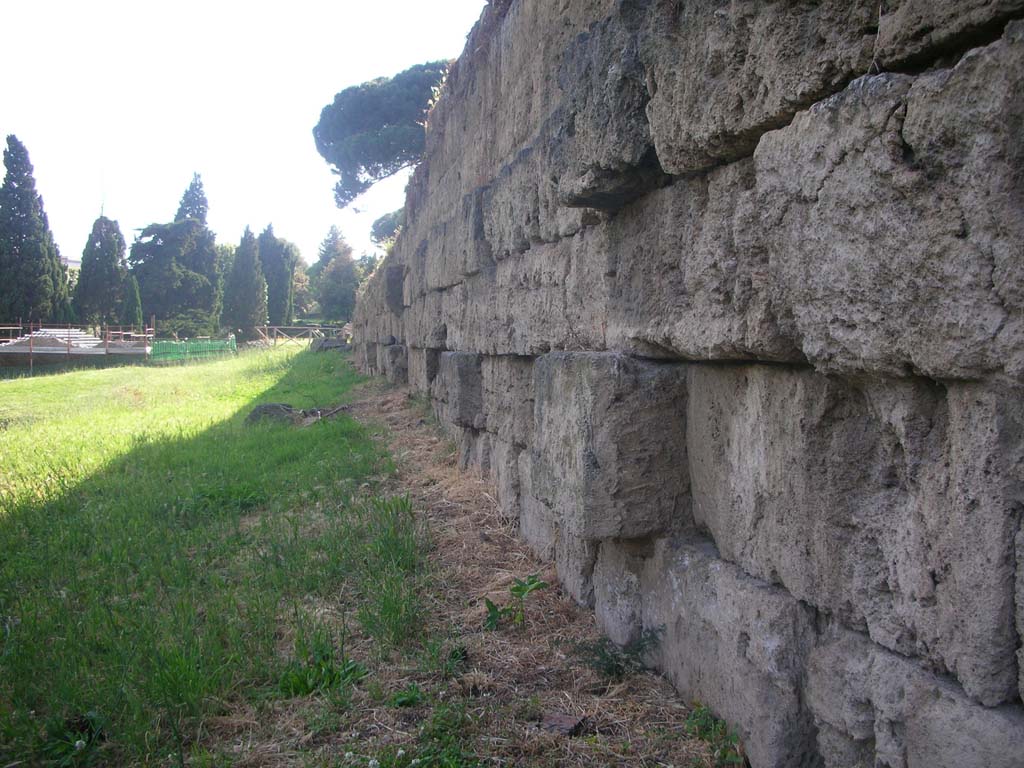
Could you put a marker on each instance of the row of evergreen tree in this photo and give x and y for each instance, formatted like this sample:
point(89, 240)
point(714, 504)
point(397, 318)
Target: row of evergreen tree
point(175, 271)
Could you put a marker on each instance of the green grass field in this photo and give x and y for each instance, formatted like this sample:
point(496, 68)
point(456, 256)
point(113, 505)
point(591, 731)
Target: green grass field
point(158, 556)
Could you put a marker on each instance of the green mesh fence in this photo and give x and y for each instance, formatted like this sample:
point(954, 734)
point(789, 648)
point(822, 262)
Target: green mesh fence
point(196, 349)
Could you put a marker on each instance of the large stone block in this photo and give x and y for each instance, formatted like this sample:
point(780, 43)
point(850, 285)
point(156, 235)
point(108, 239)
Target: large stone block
point(537, 525)
point(737, 645)
point(890, 214)
point(423, 365)
point(396, 364)
point(891, 505)
point(721, 75)
point(505, 474)
point(617, 598)
point(919, 31)
point(687, 278)
point(459, 387)
point(508, 397)
point(886, 711)
point(600, 146)
point(609, 453)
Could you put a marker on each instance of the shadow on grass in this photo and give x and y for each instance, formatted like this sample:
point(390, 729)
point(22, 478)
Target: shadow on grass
point(145, 597)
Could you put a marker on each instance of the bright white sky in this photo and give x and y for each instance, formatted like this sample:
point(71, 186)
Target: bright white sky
point(120, 101)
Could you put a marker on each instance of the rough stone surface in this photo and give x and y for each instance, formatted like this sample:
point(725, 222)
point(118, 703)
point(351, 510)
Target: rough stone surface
point(609, 444)
point(617, 593)
point(727, 299)
point(892, 506)
point(396, 364)
point(736, 644)
point(458, 386)
point(917, 31)
point(879, 704)
point(723, 74)
point(423, 365)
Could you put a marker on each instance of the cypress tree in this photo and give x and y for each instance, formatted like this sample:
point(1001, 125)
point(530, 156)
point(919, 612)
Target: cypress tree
point(33, 281)
point(98, 294)
point(278, 258)
point(131, 304)
point(245, 293)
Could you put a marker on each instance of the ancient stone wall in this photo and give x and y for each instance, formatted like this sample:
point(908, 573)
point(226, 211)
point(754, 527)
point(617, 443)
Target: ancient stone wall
point(728, 300)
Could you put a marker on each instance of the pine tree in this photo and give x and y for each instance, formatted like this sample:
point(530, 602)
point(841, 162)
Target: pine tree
point(98, 294)
point(131, 304)
point(193, 203)
point(278, 258)
point(33, 281)
point(176, 266)
point(245, 293)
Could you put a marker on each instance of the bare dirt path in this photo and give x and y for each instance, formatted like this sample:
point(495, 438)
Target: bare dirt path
point(519, 683)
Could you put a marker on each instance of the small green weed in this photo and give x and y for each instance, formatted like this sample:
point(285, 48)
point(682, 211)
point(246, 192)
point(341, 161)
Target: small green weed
point(410, 696)
point(701, 723)
point(516, 612)
point(615, 663)
point(440, 658)
point(317, 666)
point(73, 742)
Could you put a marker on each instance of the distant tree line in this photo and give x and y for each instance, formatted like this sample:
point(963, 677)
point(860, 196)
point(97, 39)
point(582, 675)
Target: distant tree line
point(175, 271)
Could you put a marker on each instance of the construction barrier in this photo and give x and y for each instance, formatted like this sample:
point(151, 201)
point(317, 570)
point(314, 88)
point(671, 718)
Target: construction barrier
point(193, 349)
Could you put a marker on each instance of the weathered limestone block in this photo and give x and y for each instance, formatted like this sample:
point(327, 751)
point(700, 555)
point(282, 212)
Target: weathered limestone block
point(887, 711)
point(618, 601)
point(500, 75)
point(609, 454)
point(720, 75)
point(508, 397)
point(919, 31)
point(505, 474)
point(574, 563)
point(521, 208)
point(549, 298)
point(537, 525)
point(601, 149)
point(459, 388)
point(891, 505)
point(453, 248)
point(423, 365)
point(366, 357)
point(474, 450)
point(893, 229)
point(735, 644)
point(396, 364)
point(687, 279)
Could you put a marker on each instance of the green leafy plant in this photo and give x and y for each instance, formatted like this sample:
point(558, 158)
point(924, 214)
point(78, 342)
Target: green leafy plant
point(73, 741)
point(614, 662)
point(409, 696)
point(318, 666)
point(520, 589)
point(701, 723)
